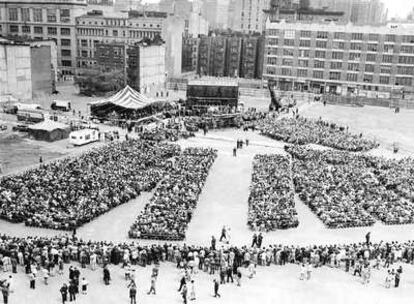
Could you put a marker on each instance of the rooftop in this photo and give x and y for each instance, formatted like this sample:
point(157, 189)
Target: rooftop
point(389, 28)
point(64, 2)
point(214, 82)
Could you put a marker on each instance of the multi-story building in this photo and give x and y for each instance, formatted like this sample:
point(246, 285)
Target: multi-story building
point(251, 65)
point(143, 63)
point(249, 16)
point(339, 59)
point(180, 8)
point(344, 6)
point(368, 12)
point(276, 13)
point(146, 67)
point(190, 54)
point(216, 12)
point(204, 49)
point(45, 19)
point(355, 11)
point(231, 56)
point(127, 28)
point(110, 56)
point(217, 56)
point(28, 69)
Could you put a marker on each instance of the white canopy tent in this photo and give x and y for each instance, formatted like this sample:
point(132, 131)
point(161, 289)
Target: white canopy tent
point(127, 98)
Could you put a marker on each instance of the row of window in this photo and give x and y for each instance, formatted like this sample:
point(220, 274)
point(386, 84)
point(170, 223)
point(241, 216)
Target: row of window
point(115, 33)
point(36, 14)
point(339, 65)
point(39, 30)
point(340, 55)
point(112, 23)
point(340, 35)
point(333, 75)
point(370, 47)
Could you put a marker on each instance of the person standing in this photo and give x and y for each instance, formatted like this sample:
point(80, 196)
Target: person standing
point(72, 291)
point(234, 152)
point(259, 240)
point(213, 243)
point(368, 238)
point(133, 292)
point(5, 291)
point(182, 283)
point(308, 271)
point(223, 234)
point(398, 276)
point(216, 288)
point(239, 276)
point(184, 293)
point(229, 273)
point(254, 240)
point(84, 286)
point(152, 288)
point(64, 293)
point(302, 272)
point(32, 279)
point(388, 280)
point(192, 291)
point(106, 275)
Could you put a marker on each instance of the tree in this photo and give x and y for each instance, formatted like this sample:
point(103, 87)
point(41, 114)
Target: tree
point(95, 82)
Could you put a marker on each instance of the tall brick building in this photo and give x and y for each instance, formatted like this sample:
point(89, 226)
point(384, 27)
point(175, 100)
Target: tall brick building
point(231, 56)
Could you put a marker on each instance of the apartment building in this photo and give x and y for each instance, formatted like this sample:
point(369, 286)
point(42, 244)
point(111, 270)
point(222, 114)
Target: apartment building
point(340, 59)
point(230, 56)
point(45, 19)
point(190, 54)
point(249, 17)
point(251, 61)
point(95, 28)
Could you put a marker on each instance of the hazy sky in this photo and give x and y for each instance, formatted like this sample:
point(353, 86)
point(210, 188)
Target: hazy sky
point(398, 8)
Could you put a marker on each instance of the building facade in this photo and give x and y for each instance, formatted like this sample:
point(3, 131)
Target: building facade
point(129, 28)
point(355, 11)
point(229, 56)
point(249, 16)
point(27, 69)
point(339, 59)
point(45, 19)
point(189, 61)
point(146, 67)
point(251, 64)
point(233, 56)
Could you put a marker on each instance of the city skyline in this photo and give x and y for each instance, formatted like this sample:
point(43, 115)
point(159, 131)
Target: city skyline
point(396, 8)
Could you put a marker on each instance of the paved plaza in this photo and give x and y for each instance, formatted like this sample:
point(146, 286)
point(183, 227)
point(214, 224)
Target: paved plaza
point(223, 201)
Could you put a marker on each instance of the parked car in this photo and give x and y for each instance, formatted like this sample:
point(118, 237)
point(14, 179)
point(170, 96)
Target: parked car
point(3, 127)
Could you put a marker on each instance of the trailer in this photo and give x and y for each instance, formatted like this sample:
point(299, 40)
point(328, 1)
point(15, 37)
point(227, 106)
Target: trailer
point(33, 116)
point(61, 105)
point(83, 137)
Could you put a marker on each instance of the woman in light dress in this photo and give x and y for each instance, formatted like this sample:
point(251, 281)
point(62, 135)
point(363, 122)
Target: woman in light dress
point(192, 291)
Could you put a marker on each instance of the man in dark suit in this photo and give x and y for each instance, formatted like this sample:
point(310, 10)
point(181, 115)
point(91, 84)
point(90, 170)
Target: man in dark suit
point(216, 289)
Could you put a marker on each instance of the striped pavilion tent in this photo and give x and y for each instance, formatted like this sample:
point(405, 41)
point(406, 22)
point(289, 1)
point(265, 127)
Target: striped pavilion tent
point(127, 98)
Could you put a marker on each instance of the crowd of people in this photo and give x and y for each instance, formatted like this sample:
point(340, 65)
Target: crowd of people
point(350, 190)
point(300, 130)
point(67, 193)
point(42, 258)
point(170, 209)
point(271, 200)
